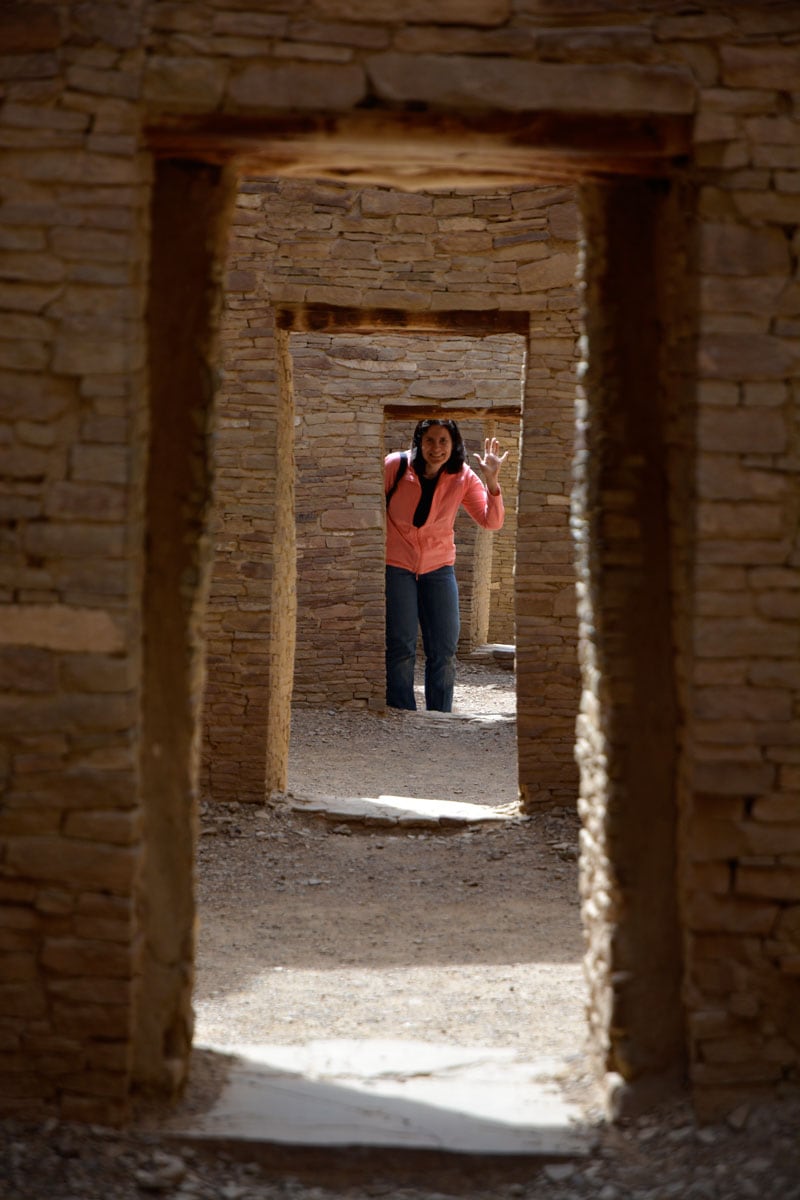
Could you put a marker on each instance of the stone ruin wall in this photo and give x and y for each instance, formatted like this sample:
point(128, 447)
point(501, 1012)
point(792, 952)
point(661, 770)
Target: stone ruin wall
point(356, 251)
point(732, 349)
point(73, 384)
point(740, 833)
point(502, 628)
point(79, 84)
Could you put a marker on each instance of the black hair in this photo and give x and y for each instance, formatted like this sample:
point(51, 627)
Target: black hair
point(458, 455)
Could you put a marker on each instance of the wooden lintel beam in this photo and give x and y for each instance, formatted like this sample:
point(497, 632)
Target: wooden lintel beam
point(460, 411)
point(328, 318)
point(408, 149)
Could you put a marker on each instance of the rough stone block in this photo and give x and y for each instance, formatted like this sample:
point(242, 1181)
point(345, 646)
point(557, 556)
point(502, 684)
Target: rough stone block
point(81, 958)
point(556, 271)
point(563, 221)
point(434, 12)
point(350, 518)
point(111, 828)
point(745, 431)
point(740, 293)
point(100, 464)
point(85, 1020)
point(772, 839)
point(460, 82)
point(738, 1049)
point(780, 605)
point(779, 807)
point(184, 83)
point(735, 249)
point(25, 30)
point(25, 998)
point(27, 669)
point(713, 913)
point(57, 627)
point(85, 501)
point(725, 477)
point(250, 24)
point(325, 87)
point(62, 167)
point(771, 206)
point(743, 520)
point(92, 356)
point(768, 883)
point(753, 637)
point(30, 268)
point(757, 356)
point(732, 703)
point(732, 778)
point(750, 66)
point(74, 863)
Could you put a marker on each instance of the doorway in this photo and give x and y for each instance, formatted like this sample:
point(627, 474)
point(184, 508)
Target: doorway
point(448, 839)
point(525, 640)
point(343, 424)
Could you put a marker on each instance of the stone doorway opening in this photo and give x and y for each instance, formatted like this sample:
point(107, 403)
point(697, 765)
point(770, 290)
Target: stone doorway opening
point(420, 371)
point(340, 384)
point(656, 956)
point(436, 813)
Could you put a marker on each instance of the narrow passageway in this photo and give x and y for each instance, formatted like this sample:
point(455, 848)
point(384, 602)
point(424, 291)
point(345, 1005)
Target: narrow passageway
point(462, 934)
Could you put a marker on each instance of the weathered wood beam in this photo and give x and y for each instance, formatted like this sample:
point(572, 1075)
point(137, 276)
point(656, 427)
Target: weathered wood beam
point(459, 410)
point(423, 149)
point(328, 318)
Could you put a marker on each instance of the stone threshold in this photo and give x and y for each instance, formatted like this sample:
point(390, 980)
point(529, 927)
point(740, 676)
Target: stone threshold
point(367, 1100)
point(499, 654)
point(485, 720)
point(407, 812)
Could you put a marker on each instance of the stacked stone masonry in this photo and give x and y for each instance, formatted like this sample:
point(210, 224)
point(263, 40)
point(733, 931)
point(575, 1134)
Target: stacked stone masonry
point(672, 129)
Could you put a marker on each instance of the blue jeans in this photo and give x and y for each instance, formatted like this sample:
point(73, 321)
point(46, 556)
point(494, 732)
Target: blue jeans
point(429, 602)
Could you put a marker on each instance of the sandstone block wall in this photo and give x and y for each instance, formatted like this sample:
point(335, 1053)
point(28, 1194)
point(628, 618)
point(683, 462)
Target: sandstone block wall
point(73, 399)
point(111, 115)
point(502, 627)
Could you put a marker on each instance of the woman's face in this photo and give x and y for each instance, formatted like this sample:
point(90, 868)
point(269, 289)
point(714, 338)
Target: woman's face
point(436, 447)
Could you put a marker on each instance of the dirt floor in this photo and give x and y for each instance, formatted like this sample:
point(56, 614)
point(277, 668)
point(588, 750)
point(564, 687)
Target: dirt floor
point(313, 928)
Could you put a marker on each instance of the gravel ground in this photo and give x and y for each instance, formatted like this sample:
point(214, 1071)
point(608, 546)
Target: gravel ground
point(466, 934)
point(753, 1156)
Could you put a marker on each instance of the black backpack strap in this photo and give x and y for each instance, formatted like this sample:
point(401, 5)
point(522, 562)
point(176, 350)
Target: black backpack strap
point(401, 470)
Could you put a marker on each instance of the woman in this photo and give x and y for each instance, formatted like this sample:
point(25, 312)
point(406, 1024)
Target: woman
point(423, 495)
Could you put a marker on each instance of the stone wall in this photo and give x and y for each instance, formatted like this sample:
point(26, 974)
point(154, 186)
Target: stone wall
point(74, 225)
point(502, 628)
point(120, 127)
point(740, 838)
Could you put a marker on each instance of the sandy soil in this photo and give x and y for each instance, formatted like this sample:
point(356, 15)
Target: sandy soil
point(311, 928)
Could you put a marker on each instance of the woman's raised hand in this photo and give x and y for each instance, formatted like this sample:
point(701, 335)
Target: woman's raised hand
point(491, 463)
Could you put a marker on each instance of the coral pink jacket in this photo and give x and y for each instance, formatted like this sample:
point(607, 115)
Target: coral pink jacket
point(433, 545)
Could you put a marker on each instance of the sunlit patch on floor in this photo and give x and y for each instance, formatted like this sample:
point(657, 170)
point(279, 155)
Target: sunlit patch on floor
point(401, 810)
point(472, 1100)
